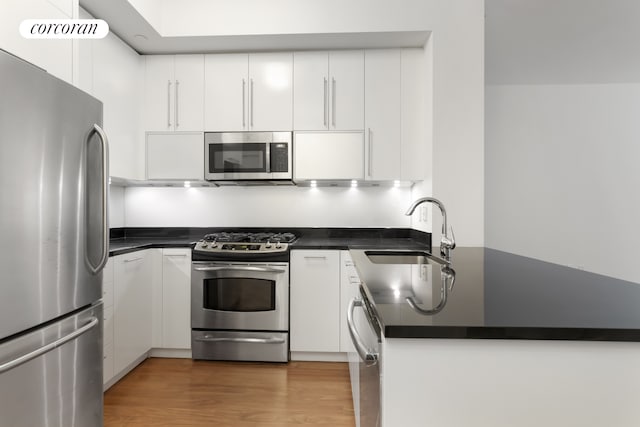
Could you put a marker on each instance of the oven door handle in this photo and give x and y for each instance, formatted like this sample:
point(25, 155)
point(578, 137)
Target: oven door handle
point(252, 269)
point(208, 338)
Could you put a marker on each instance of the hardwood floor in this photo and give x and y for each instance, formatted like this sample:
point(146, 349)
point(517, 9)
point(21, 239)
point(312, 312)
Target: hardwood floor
point(183, 392)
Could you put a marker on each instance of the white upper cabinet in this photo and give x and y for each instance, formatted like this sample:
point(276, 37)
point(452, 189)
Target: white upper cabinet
point(328, 155)
point(329, 90)
point(225, 92)
point(346, 89)
point(382, 114)
point(175, 156)
point(271, 91)
point(174, 93)
point(249, 92)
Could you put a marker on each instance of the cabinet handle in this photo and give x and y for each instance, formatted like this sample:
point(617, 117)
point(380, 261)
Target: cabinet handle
point(176, 108)
point(315, 257)
point(324, 106)
point(176, 255)
point(169, 103)
point(244, 83)
point(133, 259)
point(370, 153)
point(251, 102)
point(333, 102)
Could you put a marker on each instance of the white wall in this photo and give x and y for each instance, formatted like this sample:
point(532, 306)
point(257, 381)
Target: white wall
point(266, 206)
point(562, 144)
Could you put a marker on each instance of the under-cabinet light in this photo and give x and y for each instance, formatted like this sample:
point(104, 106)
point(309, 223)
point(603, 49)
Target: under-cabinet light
point(314, 183)
point(187, 184)
point(354, 183)
point(396, 183)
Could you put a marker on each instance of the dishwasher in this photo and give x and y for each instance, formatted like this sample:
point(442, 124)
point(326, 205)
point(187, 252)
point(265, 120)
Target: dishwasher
point(366, 337)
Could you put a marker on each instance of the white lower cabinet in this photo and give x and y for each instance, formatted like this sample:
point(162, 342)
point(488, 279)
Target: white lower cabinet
point(107, 341)
point(132, 312)
point(315, 301)
point(349, 289)
point(176, 298)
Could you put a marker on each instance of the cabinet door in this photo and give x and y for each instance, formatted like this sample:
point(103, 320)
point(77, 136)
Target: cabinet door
point(311, 91)
point(176, 298)
point(349, 289)
point(132, 308)
point(159, 93)
point(189, 93)
point(271, 91)
point(315, 301)
point(346, 88)
point(323, 155)
point(175, 156)
point(226, 92)
point(382, 114)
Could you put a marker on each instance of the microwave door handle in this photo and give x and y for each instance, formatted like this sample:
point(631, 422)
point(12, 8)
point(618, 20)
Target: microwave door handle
point(268, 159)
point(242, 269)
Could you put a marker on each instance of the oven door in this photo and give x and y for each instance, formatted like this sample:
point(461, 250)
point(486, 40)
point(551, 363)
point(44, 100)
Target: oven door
point(234, 296)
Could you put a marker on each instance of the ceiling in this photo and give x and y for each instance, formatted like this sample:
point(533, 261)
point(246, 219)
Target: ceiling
point(126, 22)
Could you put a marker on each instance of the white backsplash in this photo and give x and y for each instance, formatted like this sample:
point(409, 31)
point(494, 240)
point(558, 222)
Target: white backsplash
point(266, 207)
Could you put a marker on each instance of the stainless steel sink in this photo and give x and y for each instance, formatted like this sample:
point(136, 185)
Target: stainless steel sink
point(403, 257)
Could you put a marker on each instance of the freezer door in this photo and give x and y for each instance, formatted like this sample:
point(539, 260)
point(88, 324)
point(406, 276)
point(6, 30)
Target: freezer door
point(52, 197)
point(53, 376)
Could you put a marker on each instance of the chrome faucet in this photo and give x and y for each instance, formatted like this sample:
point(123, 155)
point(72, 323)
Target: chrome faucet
point(447, 244)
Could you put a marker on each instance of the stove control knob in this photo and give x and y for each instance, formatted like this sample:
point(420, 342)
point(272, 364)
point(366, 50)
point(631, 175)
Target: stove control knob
point(278, 245)
point(214, 245)
point(204, 245)
point(267, 245)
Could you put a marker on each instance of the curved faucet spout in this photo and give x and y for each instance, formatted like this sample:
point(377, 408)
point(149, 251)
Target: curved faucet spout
point(447, 243)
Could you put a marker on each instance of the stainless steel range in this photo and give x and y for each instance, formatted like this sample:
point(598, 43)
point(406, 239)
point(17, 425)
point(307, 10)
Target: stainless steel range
point(240, 297)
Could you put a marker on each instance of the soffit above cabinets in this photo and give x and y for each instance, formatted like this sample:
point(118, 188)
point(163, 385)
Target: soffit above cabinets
point(138, 32)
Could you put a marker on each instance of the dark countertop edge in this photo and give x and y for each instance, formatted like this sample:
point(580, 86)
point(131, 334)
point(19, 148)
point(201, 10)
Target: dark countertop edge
point(513, 333)
point(136, 239)
point(143, 246)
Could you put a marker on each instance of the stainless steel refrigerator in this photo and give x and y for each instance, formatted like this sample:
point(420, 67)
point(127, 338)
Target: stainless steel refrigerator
point(54, 234)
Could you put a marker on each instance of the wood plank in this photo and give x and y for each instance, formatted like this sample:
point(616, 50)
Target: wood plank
point(183, 392)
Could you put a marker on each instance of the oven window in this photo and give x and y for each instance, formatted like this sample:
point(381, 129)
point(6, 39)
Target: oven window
point(239, 294)
point(233, 158)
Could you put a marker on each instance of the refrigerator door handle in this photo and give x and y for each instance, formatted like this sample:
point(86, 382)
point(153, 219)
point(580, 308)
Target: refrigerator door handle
point(105, 197)
point(47, 348)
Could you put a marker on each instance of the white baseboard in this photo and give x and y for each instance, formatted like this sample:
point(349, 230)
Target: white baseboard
point(309, 356)
point(172, 353)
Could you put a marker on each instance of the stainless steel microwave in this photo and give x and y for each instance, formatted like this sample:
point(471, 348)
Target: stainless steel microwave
point(248, 156)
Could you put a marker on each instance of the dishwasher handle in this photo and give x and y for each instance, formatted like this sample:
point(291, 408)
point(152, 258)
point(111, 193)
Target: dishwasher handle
point(369, 357)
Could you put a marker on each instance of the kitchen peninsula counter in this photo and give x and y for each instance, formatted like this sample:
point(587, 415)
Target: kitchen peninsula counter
point(499, 295)
point(517, 342)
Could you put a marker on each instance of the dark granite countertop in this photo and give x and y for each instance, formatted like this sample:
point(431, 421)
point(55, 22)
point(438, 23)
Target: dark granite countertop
point(499, 295)
point(134, 239)
point(125, 245)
